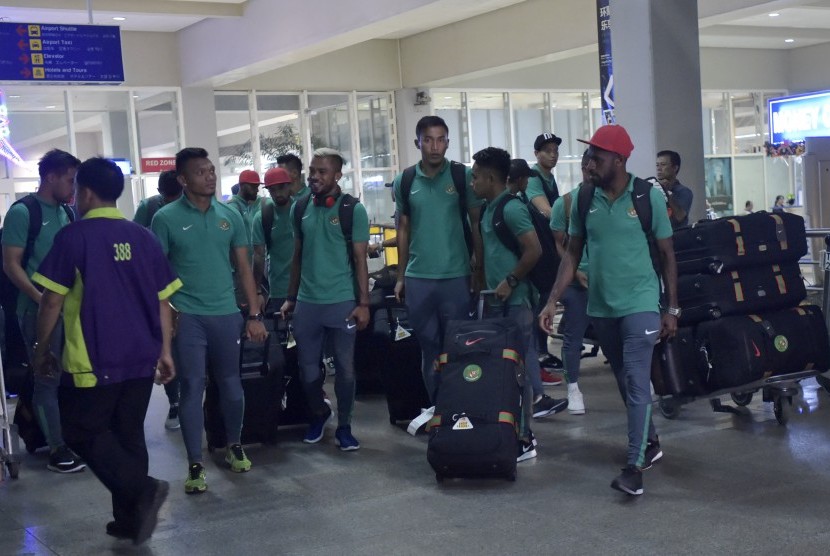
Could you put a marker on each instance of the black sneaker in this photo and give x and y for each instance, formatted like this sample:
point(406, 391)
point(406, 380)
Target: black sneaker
point(630, 481)
point(172, 422)
point(653, 454)
point(63, 460)
point(546, 405)
point(148, 509)
point(119, 530)
point(527, 448)
point(548, 361)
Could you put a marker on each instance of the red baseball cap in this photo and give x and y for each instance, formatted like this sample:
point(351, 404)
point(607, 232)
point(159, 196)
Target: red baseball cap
point(249, 176)
point(276, 176)
point(612, 138)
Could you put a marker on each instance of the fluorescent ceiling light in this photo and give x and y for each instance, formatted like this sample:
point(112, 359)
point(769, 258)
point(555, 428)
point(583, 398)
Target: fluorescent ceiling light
point(774, 14)
point(789, 40)
point(119, 18)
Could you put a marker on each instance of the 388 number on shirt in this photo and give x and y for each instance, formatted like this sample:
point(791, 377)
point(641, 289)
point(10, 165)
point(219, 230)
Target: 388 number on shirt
point(122, 251)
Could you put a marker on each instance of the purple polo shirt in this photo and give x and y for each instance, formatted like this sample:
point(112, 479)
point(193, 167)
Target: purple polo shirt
point(113, 274)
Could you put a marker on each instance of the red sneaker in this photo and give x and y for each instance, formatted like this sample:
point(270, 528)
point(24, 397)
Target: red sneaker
point(550, 378)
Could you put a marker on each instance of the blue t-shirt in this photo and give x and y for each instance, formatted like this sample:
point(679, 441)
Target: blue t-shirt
point(113, 274)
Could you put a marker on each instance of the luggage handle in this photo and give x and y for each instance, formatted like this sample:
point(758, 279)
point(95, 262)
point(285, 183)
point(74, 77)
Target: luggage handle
point(482, 295)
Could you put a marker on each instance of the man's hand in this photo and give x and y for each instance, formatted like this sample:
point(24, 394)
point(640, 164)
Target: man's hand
point(546, 317)
point(286, 309)
point(360, 314)
point(373, 249)
point(399, 291)
point(255, 331)
point(46, 364)
point(165, 369)
point(668, 326)
point(503, 290)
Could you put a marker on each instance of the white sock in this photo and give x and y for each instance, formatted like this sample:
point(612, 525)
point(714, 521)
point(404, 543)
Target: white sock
point(573, 387)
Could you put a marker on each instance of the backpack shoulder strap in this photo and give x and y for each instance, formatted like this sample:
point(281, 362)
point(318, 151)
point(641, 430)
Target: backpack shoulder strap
point(502, 230)
point(459, 179)
point(346, 216)
point(567, 199)
point(583, 205)
point(299, 210)
point(267, 211)
point(35, 224)
point(642, 204)
point(407, 177)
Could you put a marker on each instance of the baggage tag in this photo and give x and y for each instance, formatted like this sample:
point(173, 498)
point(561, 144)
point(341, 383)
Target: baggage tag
point(290, 341)
point(463, 424)
point(401, 333)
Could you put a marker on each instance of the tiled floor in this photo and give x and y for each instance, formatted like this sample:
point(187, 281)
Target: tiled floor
point(727, 485)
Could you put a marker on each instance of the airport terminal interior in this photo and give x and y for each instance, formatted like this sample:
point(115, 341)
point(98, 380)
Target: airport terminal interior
point(250, 80)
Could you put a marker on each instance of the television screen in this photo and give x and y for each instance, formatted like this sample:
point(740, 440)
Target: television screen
point(124, 164)
point(793, 118)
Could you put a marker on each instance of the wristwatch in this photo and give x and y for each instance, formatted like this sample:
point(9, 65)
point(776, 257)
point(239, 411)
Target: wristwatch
point(512, 281)
point(674, 311)
point(258, 316)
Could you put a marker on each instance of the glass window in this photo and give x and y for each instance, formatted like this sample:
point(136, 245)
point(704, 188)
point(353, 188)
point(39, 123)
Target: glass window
point(778, 180)
point(233, 125)
point(329, 121)
point(570, 122)
point(373, 120)
point(278, 119)
point(488, 121)
point(716, 125)
point(157, 114)
point(529, 121)
point(452, 107)
point(37, 124)
point(377, 197)
point(102, 124)
point(749, 134)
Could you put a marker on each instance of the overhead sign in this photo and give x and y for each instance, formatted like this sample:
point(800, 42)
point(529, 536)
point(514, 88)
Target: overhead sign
point(162, 164)
point(796, 117)
point(606, 66)
point(60, 53)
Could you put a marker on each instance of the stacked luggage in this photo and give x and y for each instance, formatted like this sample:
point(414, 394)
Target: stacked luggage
point(742, 326)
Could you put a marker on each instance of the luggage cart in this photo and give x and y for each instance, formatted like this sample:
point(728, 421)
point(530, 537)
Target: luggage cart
point(9, 444)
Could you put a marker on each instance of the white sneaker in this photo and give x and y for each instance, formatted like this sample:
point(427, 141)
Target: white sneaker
point(576, 405)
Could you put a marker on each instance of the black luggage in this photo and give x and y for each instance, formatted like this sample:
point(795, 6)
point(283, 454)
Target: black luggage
point(295, 410)
point(675, 368)
point(474, 432)
point(28, 428)
point(739, 241)
point(738, 350)
point(741, 291)
point(260, 366)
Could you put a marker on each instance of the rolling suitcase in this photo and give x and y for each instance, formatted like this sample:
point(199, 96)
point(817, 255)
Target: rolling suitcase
point(474, 431)
point(294, 408)
point(741, 291)
point(738, 350)
point(676, 366)
point(28, 428)
point(712, 246)
point(260, 367)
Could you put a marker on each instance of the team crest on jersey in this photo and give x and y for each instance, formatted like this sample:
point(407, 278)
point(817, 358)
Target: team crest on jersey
point(450, 189)
point(224, 225)
point(334, 221)
point(632, 212)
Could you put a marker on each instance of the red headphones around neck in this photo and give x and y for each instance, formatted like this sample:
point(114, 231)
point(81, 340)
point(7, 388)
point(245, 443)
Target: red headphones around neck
point(326, 201)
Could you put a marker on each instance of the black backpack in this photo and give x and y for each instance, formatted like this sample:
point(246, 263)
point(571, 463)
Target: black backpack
point(641, 198)
point(543, 274)
point(345, 215)
point(550, 193)
point(154, 203)
point(459, 179)
point(267, 212)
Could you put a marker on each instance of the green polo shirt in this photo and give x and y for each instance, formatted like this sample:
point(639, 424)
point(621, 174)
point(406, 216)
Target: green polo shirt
point(437, 249)
point(622, 280)
point(248, 212)
point(558, 223)
point(305, 190)
point(327, 275)
point(282, 247)
point(534, 184)
point(198, 245)
point(499, 261)
point(16, 232)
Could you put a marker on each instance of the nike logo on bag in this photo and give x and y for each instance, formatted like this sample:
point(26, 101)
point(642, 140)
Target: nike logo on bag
point(650, 332)
point(185, 228)
point(350, 326)
point(593, 210)
point(472, 342)
point(640, 195)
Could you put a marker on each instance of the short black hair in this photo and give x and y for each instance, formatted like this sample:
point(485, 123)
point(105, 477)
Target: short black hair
point(292, 161)
point(186, 155)
point(673, 157)
point(495, 159)
point(331, 154)
point(430, 121)
point(169, 186)
point(56, 161)
point(103, 177)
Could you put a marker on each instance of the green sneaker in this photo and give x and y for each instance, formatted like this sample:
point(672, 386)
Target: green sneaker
point(195, 482)
point(237, 459)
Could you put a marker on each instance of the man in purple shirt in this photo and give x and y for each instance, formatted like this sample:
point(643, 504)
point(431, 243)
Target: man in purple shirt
point(112, 281)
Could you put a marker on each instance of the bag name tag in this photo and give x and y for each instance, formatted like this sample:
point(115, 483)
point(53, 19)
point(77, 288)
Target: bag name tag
point(463, 424)
point(401, 333)
point(291, 342)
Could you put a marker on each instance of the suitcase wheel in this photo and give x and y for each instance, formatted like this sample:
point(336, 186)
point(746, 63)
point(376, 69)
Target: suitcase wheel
point(669, 408)
point(742, 399)
point(782, 412)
